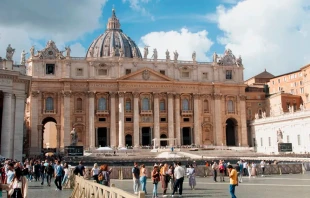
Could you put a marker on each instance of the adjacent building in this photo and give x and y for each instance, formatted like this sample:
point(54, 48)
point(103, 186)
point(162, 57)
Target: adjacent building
point(116, 96)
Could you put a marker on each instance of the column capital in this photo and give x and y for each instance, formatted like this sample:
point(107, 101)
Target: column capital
point(91, 94)
point(35, 93)
point(196, 95)
point(217, 96)
point(156, 95)
point(177, 95)
point(20, 96)
point(112, 93)
point(121, 94)
point(136, 94)
point(170, 94)
point(242, 97)
point(40, 127)
point(66, 93)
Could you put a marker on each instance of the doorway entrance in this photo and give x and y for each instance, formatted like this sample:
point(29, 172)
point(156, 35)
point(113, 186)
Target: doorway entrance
point(128, 140)
point(231, 126)
point(102, 137)
point(186, 136)
point(49, 136)
point(146, 136)
point(163, 143)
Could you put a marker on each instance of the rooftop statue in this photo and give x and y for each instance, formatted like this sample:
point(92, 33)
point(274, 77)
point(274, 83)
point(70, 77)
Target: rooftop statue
point(32, 51)
point(146, 52)
point(239, 61)
point(215, 57)
point(68, 51)
point(154, 54)
point(194, 56)
point(167, 55)
point(23, 57)
point(279, 136)
point(134, 52)
point(121, 52)
point(176, 55)
point(9, 52)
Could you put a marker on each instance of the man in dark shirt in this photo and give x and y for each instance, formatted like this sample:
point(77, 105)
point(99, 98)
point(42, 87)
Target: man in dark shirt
point(37, 171)
point(42, 172)
point(81, 168)
point(49, 173)
point(135, 176)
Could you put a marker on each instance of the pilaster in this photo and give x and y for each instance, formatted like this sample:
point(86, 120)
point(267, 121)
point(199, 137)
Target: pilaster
point(218, 131)
point(113, 120)
point(170, 118)
point(67, 118)
point(91, 119)
point(34, 113)
point(136, 119)
point(121, 119)
point(6, 130)
point(177, 119)
point(244, 135)
point(19, 126)
point(197, 126)
point(156, 117)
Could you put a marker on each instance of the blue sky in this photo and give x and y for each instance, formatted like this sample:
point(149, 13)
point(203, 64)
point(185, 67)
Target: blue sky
point(268, 34)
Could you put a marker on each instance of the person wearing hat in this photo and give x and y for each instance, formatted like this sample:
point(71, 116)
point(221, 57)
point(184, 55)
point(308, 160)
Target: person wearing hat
point(233, 175)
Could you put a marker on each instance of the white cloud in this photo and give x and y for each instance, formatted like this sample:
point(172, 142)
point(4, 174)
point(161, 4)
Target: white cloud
point(184, 41)
point(77, 50)
point(24, 24)
point(268, 34)
point(139, 5)
point(230, 1)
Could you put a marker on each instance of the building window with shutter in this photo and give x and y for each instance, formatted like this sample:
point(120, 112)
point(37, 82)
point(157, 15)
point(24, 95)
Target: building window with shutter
point(49, 104)
point(185, 104)
point(230, 106)
point(228, 74)
point(102, 104)
point(145, 104)
point(79, 104)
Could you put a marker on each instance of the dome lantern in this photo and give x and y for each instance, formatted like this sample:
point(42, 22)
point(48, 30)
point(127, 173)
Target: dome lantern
point(113, 22)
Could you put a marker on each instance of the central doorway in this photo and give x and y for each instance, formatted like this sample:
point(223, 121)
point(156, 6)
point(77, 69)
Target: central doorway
point(128, 140)
point(102, 137)
point(146, 136)
point(186, 136)
point(163, 143)
point(231, 132)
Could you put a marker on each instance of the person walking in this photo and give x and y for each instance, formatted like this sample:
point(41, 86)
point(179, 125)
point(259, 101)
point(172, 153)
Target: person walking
point(58, 175)
point(104, 175)
point(191, 177)
point(95, 172)
point(164, 178)
point(135, 176)
point(262, 165)
point(250, 169)
point(179, 174)
point(66, 175)
point(171, 173)
point(155, 179)
point(215, 168)
point(253, 170)
point(206, 169)
point(49, 173)
point(233, 180)
point(42, 172)
point(143, 177)
point(222, 170)
point(19, 185)
point(240, 170)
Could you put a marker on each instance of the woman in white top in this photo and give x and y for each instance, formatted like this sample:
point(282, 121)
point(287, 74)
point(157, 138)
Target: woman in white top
point(95, 172)
point(192, 177)
point(19, 186)
point(66, 176)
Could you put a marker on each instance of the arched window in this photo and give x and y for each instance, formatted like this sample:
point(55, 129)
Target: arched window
point(49, 104)
point(230, 106)
point(162, 106)
point(206, 105)
point(128, 104)
point(185, 106)
point(79, 104)
point(102, 105)
point(145, 104)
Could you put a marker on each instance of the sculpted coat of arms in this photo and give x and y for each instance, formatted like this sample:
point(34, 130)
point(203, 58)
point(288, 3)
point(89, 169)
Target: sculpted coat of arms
point(145, 74)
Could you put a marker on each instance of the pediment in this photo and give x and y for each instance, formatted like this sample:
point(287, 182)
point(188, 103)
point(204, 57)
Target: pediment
point(145, 74)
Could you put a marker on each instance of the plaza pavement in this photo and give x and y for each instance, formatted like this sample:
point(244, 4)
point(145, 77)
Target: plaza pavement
point(275, 186)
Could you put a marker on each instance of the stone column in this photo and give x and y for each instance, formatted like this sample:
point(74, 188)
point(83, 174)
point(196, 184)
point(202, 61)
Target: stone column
point(13, 124)
point(156, 117)
point(218, 131)
point(58, 128)
point(67, 118)
point(197, 125)
point(136, 120)
point(19, 126)
point(6, 130)
point(113, 120)
point(34, 114)
point(177, 119)
point(170, 118)
point(40, 137)
point(91, 119)
point(121, 120)
point(243, 135)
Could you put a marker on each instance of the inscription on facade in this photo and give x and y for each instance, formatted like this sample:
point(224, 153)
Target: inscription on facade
point(6, 82)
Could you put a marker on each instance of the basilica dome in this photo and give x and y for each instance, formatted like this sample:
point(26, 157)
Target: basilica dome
point(113, 42)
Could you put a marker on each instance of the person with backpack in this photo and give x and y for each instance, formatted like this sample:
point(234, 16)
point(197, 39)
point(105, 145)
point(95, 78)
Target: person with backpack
point(104, 175)
point(136, 176)
point(49, 173)
point(58, 175)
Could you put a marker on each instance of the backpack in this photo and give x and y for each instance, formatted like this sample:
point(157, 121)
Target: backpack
point(76, 170)
point(101, 176)
point(222, 167)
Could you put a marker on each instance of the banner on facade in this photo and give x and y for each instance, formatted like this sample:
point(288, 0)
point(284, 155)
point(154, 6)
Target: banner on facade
point(74, 151)
point(285, 147)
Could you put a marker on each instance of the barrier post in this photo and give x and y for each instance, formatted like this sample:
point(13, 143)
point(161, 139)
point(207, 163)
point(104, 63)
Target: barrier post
point(141, 194)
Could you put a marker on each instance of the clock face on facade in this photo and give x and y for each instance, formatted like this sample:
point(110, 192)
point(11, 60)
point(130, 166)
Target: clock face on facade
point(50, 53)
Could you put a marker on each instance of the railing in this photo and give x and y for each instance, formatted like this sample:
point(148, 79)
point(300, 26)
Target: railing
point(49, 111)
point(146, 112)
point(187, 112)
point(90, 189)
point(102, 112)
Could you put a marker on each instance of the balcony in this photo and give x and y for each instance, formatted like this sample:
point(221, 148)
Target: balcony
point(230, 112)
point(102, 112)
point(128, 111)
point(186, 112)
point(146, 112)
point(49, 111)
point(206, 111)
point(78, 111)
point(162, 111)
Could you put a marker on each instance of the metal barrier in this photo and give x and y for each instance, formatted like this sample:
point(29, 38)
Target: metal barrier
point(89, 189)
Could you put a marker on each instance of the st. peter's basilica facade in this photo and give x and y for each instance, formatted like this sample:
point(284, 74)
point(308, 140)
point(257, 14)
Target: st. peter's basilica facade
point(116, 96)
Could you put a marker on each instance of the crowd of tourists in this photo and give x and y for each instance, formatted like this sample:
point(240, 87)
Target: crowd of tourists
point(15, 175)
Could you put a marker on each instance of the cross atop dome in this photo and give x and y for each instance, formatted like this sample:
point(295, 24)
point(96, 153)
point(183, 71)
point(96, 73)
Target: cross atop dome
point(113, 22)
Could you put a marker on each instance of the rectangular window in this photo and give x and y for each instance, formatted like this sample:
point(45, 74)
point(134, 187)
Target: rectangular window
point(294, 75)
point(128, 119)
point(50, 69)
point(128, 105)
point(185, 119)
point(261, 141)
point(163, 72)
point(300, 82)
point(284, 79)
point(287, 139)
point(269, 141)
point(102, 72)
point(228, 74)
point(292, 91)
point(205, 75)
point(128, 71)
point(302, 90)
point(79, 72)
point(279, 80)
point(102, 119)
point(298, 140)
point(185, 74)
point(273, 82)
point(162, 119)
